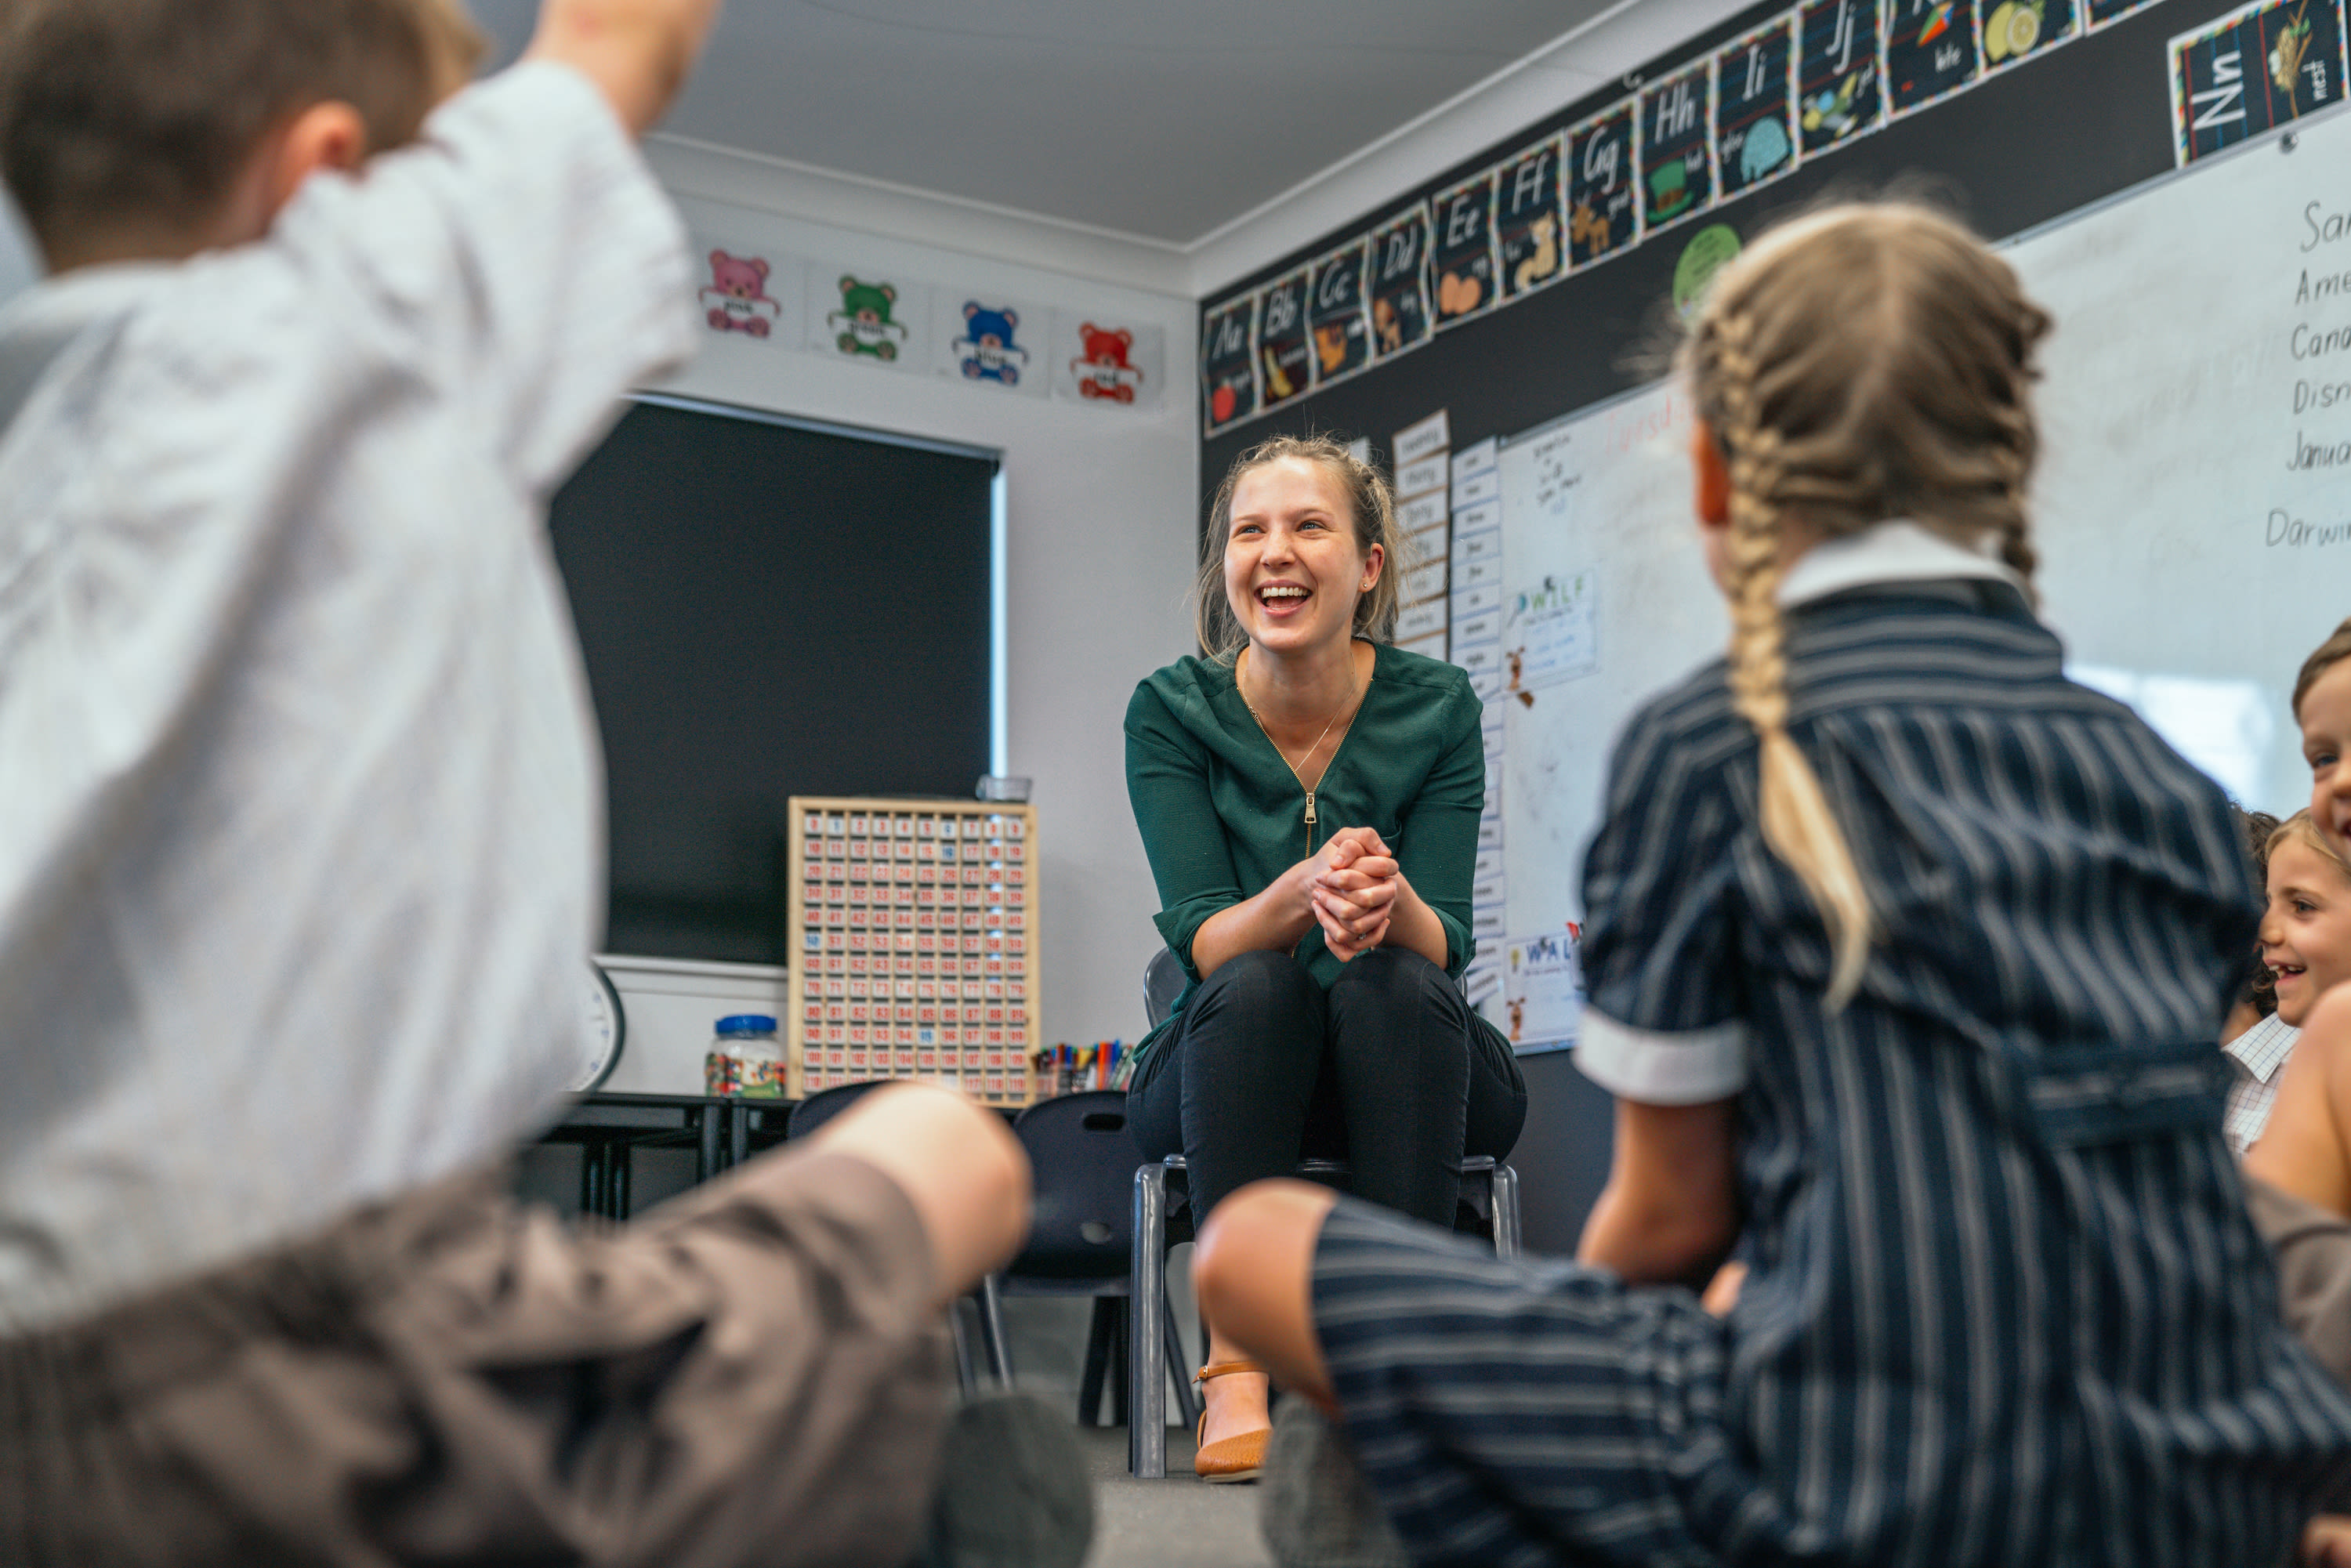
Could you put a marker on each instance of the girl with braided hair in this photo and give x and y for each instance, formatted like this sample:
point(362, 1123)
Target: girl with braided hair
point(1905, 957)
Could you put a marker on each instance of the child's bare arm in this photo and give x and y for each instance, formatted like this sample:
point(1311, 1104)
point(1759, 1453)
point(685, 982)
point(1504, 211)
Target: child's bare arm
point(638, 51)
point(1669, 1214)
point(2303, 1150)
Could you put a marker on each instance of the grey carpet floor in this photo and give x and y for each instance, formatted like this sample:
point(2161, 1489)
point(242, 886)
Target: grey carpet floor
point(1179, 1522)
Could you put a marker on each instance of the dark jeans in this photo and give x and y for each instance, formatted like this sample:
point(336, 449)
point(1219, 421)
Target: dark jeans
point(1390, 1070)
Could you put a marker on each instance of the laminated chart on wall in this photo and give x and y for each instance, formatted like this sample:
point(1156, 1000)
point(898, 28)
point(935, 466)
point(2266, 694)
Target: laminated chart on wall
point(1284, 363)
point(1930, 52)
point(1422, 470)
point(1754, 108)
point(1461, 250)
point(1228, 363)
point(1603, 177)
point(1337, 313)
point(1676, 137)
point(1530, 228)
point(2260, 67)
point(1542, 989)
point(1098, 358)
point(1399, 283)
point(991, 342)
point(1840, 72)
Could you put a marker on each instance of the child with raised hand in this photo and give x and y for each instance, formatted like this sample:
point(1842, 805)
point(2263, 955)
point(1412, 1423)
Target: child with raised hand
point(300, 864)
point(1906, 954)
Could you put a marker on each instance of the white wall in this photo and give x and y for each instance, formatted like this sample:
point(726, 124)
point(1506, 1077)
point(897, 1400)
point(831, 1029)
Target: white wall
point(1101, 505)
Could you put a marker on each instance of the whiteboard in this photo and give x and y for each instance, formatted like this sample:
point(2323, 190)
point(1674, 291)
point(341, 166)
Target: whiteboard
point(2192, 508)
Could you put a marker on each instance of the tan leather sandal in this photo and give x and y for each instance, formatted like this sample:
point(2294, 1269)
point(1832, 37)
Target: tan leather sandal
point(1235, 1458)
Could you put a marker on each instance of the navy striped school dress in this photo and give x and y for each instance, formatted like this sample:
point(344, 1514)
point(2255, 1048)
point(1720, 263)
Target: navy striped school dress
point(2006, 1306)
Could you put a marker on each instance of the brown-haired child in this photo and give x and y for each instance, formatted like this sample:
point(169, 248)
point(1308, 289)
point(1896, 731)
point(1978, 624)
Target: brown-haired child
point(302, 855)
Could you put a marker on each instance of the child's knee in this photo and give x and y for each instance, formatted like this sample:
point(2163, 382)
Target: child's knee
point(1260, 1239)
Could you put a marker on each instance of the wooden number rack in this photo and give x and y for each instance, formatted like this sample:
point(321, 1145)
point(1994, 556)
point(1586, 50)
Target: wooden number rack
point(913, 931)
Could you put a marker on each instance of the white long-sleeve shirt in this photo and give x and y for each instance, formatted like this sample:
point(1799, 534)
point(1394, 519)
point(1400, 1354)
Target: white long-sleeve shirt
point(300, 800)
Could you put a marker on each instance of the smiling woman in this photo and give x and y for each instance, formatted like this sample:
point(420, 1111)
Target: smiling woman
point(1309, 795)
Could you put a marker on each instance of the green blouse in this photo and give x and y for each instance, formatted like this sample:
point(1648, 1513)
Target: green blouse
point(1222, 816)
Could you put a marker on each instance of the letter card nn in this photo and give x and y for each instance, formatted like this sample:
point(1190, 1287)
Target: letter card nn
point(1840, 72)
point(1930, 52)
point(1229, 361)
point(1529, 225)
point(1283, 363)
point(1335, 313)
point(2258, 68)
point(1399, 283)
point(1461, 258)
point(1678, 147)
point(1604, 206)
point(1754, 97)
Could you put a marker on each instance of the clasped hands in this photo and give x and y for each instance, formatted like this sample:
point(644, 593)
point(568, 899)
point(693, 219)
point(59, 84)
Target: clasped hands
point(1351, 884)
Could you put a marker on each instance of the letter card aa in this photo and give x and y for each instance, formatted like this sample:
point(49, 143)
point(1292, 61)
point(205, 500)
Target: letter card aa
point(1399, 283)
point(1930, 52)
point(1528, 223)
point(2254, 69)
point(1283, 363)
point(1462, 259)
point(1840, 72)
point(1335, 313)
point(1604, 206)
point(1228, 363)
point(1754, 94)
point(1677, 148)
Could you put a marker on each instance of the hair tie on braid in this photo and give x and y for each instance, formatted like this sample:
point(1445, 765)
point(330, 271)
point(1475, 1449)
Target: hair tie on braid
point(1797, 822)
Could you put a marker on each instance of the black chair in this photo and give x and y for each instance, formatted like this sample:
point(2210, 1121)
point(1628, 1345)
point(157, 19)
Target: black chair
point(1162, 1218)
point(1080, 1244)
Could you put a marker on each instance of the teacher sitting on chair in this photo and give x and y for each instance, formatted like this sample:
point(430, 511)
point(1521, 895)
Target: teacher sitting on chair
point(1309, 796)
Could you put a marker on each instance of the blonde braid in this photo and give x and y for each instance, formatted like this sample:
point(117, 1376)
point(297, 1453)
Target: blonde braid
point(1797, 822)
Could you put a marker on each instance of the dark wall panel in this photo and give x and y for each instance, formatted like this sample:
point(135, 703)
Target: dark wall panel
point(767, 611)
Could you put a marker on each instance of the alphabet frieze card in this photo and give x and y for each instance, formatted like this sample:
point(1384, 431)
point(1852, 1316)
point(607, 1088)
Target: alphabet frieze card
point(1461, 256)
point(1400, 283)
point(1285, 368)
point(1336, 311)
point(1604, 206)
point(1228, 363)
point(1530, 225)
point(1678, 147)
point(2260, 66)
point(1754, 98)
point(1840, 72)
point(1930, 52)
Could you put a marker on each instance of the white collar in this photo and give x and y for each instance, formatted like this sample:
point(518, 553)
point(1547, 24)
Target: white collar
point(1897, 551)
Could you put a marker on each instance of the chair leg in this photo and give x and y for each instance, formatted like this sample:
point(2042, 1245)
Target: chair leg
point(1505, 1211)
point(965, 1375)
point(1146, 1369)
point(1186, 1403)
point(1121, 1324)
point(1099, 1336)
point(991, 1332)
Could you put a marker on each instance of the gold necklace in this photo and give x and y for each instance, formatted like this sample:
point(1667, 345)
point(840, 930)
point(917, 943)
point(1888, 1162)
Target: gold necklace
point(1354, 695)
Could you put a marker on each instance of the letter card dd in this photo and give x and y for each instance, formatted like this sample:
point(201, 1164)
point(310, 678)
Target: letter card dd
point(1840, 72)
point(1462, 259)
point(1604, 206)
point(1527, 222)
point(1930, 52)
point(1282, 362)
point(1678, 147)
point(1399, 283)
point(1335, 313)
point(1229, 361)
point(2254, 69)
point(1754, 96)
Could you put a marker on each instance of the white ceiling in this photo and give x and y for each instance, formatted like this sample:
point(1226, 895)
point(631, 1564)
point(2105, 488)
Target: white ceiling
point(1167, 121)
